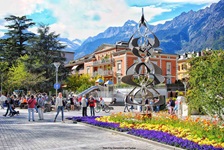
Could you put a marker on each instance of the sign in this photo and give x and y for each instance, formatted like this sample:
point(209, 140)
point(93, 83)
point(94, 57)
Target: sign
point(57, 86)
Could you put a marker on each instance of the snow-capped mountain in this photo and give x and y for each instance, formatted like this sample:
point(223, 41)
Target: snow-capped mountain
point(190, 31)
point(71, 45)
point(110, 36)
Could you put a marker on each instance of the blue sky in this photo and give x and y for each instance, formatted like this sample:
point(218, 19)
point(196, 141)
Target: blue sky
point(84, 18)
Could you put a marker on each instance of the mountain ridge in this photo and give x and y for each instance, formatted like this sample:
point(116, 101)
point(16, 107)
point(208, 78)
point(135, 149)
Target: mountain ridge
point(190, 31)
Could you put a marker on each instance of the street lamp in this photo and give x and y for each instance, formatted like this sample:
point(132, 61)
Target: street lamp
point(56, 86)
point(1, 75)
point(185, 85)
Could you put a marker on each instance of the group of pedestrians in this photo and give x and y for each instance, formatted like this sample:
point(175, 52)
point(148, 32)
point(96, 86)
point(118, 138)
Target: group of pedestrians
point(74, 103)
point(150, 105)
point(9, 101)
point(33, 103)
point(147, 104)
point(37, 103)
point(91, 103)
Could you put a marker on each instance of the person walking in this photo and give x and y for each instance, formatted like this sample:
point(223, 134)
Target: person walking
point(84, 105)
point(31, 105)
point(12, 106)
point(171, 105)
point(131, 100)
point(7, 102)
point(125, 103)
point(40, 107)
point(59, 106)
point(147, 102)
point(102, 102)
point(151, 103)
point(156, 100)
point(92, 102)
point(72, 103)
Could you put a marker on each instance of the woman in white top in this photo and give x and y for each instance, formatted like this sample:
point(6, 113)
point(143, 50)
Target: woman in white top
point(84, 105)
point(59, 106)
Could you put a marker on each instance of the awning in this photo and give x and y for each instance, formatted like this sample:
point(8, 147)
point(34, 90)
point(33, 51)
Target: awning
point(74, 67)
point(99, 81)
point(109, 82)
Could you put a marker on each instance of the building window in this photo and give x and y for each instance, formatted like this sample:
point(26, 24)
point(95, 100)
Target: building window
point(119, 66)
point(168, 68)
point(88, 70)
point(184, 67)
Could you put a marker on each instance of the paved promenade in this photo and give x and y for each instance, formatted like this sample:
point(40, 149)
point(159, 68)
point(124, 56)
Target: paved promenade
point(16, 133)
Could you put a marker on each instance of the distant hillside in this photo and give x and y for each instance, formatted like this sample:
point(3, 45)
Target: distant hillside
point(109, 36)
point(191, 31)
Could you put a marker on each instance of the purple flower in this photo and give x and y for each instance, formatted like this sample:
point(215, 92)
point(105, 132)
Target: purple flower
point(158, 136)
point(169, 139)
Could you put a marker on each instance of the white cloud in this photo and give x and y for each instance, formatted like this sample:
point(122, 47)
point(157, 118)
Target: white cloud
point(75, 18)
point(1, 34)
point(18, 7)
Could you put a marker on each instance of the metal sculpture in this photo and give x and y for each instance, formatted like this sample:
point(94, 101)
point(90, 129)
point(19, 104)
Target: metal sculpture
point(143, 74)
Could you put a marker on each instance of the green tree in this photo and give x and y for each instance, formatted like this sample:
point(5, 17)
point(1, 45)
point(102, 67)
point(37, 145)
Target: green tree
point(3, 77)
point(79, 83)
point(206, 77)
point(20, 78)
point(15, 45)
point(45, 49)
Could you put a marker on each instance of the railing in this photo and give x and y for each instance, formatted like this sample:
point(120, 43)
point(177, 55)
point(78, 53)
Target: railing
point(103, 73)
point(103, 61)
point(81, 71)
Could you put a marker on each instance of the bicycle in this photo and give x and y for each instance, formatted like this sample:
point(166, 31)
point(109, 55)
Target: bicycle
point(99, 107)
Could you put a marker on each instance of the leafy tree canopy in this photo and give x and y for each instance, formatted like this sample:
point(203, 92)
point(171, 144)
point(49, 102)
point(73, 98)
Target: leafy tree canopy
point(15, 43)
point(79, 83)
point(40, 52)
point(206, 77)
point(20, 78)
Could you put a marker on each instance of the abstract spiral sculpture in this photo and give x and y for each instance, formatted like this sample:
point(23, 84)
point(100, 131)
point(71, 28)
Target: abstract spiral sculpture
point(143, 74)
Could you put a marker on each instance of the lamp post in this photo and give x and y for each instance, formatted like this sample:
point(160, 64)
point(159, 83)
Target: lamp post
point(56, 64)
point(1, 82)
point(1, 75)
point(185, 85)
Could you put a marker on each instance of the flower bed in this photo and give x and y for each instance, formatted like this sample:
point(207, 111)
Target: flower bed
point(163, 128)
point(169, 139)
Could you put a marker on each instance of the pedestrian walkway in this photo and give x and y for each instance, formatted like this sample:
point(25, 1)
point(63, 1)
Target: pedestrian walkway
point(17, 133)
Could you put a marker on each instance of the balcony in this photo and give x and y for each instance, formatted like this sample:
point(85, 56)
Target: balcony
point(81, 71)
point(103, 73)
point(102, 62)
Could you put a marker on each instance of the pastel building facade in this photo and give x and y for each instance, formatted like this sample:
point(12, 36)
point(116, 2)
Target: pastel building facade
point(183, 64)
point(111, 61)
